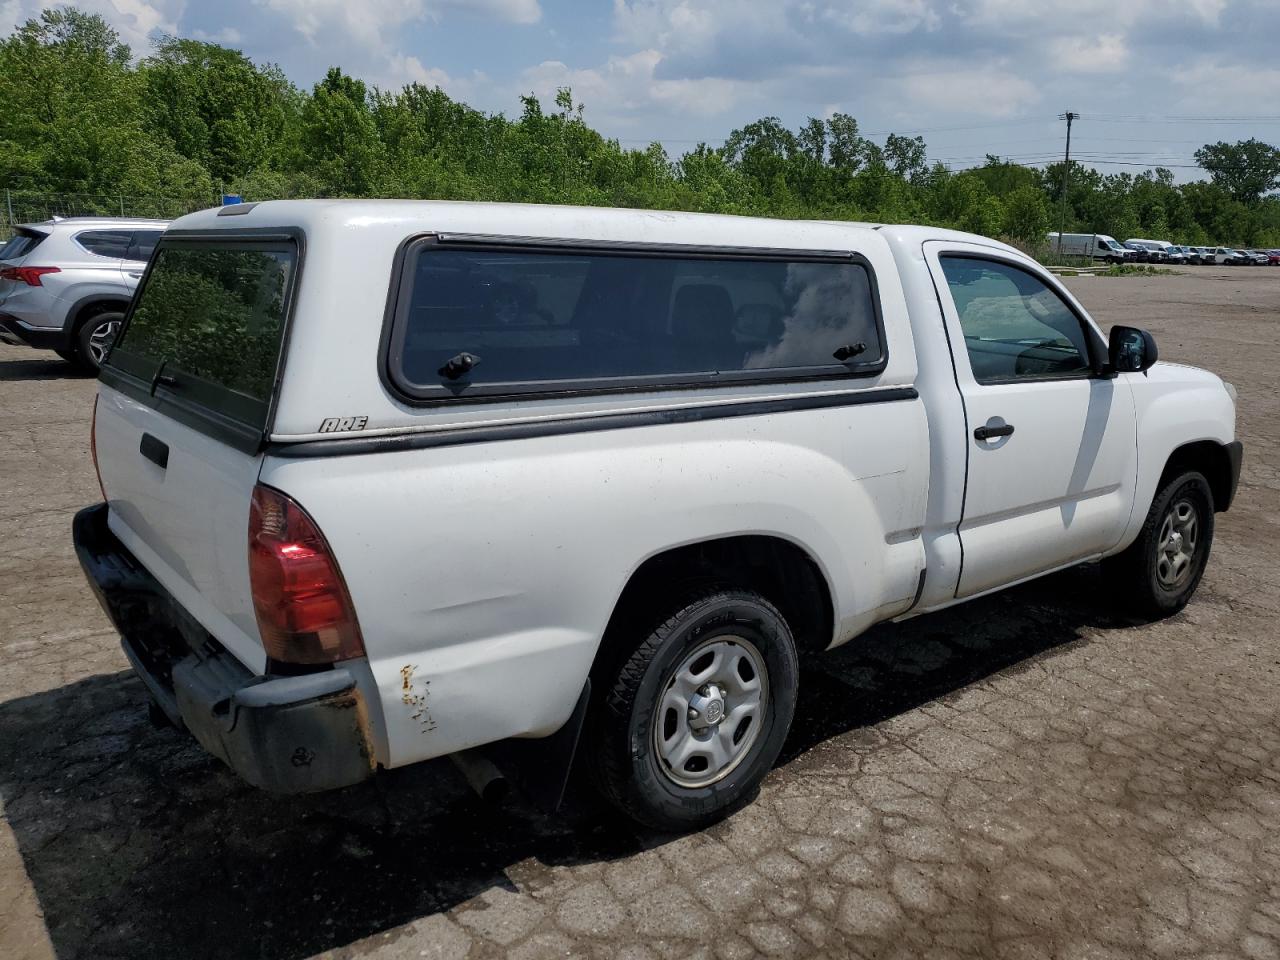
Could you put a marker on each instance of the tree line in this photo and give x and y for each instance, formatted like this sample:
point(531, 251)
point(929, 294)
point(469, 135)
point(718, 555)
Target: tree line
point(83, 115)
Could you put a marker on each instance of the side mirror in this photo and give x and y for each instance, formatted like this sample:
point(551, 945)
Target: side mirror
point(1131, 350)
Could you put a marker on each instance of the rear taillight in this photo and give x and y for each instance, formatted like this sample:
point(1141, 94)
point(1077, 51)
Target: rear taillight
point(304, 610)
point(28, 275)
point(93, 446)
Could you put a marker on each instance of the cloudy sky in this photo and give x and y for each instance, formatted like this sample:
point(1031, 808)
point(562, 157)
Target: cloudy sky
point(1152, 79)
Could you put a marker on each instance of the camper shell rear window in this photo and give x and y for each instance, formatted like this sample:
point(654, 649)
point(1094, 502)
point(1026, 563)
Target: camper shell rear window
point(491, 319)
point(204, 335)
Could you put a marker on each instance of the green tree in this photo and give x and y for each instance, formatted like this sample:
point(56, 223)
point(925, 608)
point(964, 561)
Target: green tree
point(80, 115)
point(905, 156)
point(847, 149)
point(217, 108)
point(1026, 215)
point(73, 118)
point(338, 138)
point(1246, 169)
point(963, 201)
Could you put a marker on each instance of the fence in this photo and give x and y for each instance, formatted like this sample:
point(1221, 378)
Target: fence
point(21, 206)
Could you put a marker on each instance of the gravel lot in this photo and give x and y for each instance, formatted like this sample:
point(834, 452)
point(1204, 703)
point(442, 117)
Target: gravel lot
point(1025, 776)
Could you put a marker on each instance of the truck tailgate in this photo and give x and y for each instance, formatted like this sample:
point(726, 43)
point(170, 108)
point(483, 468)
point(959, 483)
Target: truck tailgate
point(182, 412)
point(180, 501)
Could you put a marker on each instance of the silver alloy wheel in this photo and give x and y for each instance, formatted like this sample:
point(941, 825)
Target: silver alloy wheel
point(1176, 547)
point(100, 340)
point(711, 711)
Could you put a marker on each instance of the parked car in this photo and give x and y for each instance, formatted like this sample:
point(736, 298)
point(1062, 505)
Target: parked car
point(1228, 256)
point(1157, 250)
point(1273, 257)
point(1140, 253)
point(1175, 255)
point(1097, 246)
point(1201, 255)
point(550, 470)
point(1259, 257)
point(65, 284)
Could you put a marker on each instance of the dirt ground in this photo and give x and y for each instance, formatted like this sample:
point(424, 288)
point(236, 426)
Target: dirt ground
point(1025, 776)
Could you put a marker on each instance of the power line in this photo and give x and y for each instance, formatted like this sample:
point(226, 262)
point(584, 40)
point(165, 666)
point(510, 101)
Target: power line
point(1198, 120)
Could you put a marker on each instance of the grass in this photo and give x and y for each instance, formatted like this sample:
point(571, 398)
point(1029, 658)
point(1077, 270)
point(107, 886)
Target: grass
point(1135, 270)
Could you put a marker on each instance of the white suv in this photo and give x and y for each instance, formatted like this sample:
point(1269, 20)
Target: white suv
point(392, 480)
point(65, 284)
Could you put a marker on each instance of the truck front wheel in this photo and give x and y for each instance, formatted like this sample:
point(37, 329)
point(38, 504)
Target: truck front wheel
point(1158, 573)
point(696, 715)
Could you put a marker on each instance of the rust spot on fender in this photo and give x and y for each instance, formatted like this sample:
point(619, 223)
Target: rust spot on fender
point(416, 701)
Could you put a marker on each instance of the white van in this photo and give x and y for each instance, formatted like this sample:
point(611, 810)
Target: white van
point(1098, 246)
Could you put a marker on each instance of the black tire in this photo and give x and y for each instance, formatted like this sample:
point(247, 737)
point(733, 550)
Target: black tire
point(89, 341)
point(1142, 578)
point(624, 741)
point(69, 355)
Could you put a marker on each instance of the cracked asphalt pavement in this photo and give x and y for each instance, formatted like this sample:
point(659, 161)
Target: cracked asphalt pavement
point(1024, 776)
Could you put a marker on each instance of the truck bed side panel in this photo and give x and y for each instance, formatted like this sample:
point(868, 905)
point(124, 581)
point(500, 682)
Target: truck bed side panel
point(484, 574)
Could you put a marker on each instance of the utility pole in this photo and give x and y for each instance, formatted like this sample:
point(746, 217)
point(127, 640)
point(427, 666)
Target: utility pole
point(1066, 171)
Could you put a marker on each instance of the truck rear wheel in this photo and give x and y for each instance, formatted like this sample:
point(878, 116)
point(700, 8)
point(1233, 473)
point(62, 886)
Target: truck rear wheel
point(694, 717)
point(1158, 573)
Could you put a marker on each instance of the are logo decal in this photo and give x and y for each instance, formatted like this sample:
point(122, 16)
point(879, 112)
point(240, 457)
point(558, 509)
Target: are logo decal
point(342, 424)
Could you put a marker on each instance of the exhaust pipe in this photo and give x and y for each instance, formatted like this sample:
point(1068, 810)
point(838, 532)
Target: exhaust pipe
point(485, 779)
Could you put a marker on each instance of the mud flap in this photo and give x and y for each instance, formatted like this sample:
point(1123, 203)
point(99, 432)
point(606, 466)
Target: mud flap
point(539, 768)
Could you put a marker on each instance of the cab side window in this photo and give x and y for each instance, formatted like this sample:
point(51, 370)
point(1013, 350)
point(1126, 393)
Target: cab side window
point(1015, 327)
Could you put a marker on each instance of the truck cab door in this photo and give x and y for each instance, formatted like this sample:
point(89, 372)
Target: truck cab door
point(1052, 459)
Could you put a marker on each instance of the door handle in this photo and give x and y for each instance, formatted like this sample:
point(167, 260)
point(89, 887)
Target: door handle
point(157, 451)
point(991, 433)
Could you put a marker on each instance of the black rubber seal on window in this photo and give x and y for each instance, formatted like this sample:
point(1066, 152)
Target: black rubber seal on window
point(390, 347)
point(248, 438)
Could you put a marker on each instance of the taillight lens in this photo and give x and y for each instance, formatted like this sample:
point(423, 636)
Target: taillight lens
point(28, 275)
point(93, 446)
point(304, 610)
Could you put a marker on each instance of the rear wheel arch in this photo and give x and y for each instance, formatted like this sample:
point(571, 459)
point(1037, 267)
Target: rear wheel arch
point(779, 570)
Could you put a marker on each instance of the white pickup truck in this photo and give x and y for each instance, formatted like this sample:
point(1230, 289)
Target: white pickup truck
point(386, 481)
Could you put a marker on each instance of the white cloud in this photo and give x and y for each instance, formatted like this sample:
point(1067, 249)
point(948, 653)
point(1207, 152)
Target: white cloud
point(400, 70)
point(874, 17)
point(694, 25)
point(371, 22)
point(369, 34)
point(1209, 10)
point(365, 24)
point(984, 91)
point(137, 21)
point(1205, 85)
point(229, 35)
point(625, 87)
point(1086, 14)
point(510, 11)
point(1107, 53)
